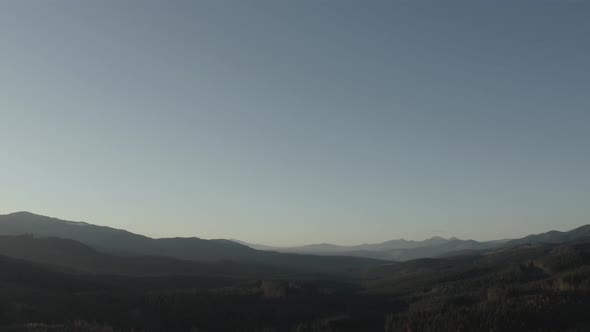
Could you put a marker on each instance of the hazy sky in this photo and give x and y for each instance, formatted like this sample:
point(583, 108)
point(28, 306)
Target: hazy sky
point(291, 122)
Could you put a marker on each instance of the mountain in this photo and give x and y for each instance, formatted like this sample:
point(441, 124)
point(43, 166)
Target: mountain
point(454, 246)
point(529, 287)
point(72, 256)
point(579, 233)
point(121, 242)
point(315, 257)
point(59, 284)
point(403, 250)
point(397, 250)
point(365, 247)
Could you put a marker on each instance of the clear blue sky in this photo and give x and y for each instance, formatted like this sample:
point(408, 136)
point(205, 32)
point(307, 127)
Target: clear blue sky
point(291, 122)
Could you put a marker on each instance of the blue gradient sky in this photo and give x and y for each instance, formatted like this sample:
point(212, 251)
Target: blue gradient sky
point(291, 122)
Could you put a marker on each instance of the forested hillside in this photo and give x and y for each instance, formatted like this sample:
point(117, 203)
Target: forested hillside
point(523, 288)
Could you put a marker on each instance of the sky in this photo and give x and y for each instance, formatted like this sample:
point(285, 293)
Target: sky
point(295, 122)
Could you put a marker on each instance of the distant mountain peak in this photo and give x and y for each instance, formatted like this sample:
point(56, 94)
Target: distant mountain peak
point(28, 216)
point(25, 213)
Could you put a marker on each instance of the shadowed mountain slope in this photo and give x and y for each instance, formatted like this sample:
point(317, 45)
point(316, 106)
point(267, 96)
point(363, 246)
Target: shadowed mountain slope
point(579, 233)
point(73, 256)
point(121, 242)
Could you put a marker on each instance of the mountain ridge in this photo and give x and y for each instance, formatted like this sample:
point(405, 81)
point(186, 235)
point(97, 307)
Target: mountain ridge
point(436, 246)
point(124, 243)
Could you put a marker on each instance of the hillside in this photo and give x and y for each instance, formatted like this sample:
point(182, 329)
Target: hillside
point(540, 287)
point(121, 242)
point(579, 233)
point(72, 256)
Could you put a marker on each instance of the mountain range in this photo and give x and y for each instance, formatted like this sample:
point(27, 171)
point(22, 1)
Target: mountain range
point(121, 243)
point(324, 256)
point(403, 250)
point(396, 250)
point(58, 275)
